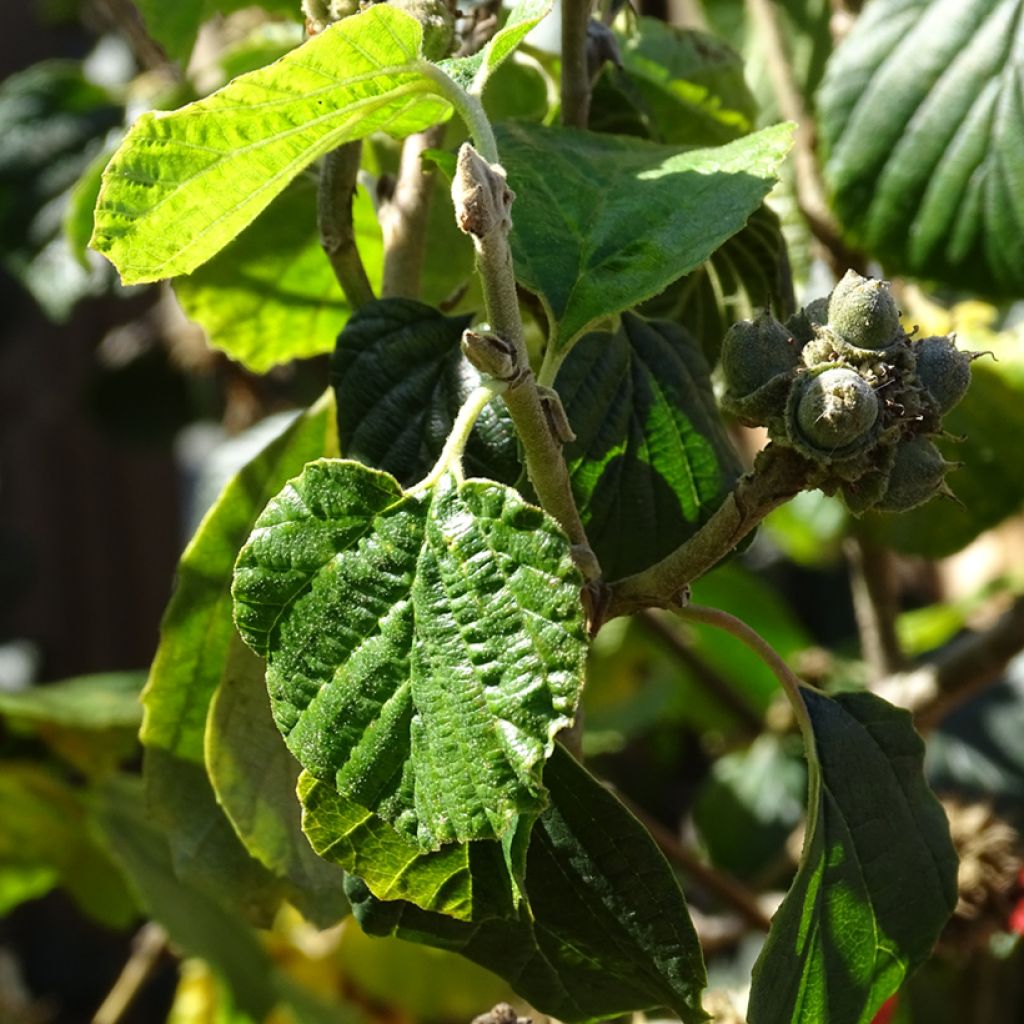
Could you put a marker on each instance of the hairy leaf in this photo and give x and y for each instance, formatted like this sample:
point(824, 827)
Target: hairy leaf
point(607, 931)
point(920, 115)
point(474, 72)
point(603, 222)
point(877, 879)
point(468, 881)
point(271, 296)
point(422, 650)
point(197, 629)
point(652, 459)
point(193, 921)
point(183, 185)
point(400, 378)
point(254, 776)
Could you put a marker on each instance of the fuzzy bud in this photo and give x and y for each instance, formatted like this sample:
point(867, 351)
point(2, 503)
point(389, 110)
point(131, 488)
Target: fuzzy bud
point(755, 351)
point(863, 312)
point(917, 474)
point(835, 409)
point(438, 21)
point(943, 369)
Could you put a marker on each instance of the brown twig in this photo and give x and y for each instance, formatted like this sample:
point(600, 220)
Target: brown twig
point(338, 174)
point(875, 605)
point(968, 665)
point(810, 190)
point(713, 682)
point(725, 887)
point(403, 219)
point(575, 73)
point(148, 946)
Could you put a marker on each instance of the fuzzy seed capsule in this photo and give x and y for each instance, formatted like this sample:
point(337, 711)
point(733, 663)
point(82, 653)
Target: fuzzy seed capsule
point(835, 409)
point(917, 474)
point(863, 312)
point(755, 351)
point(943, 369)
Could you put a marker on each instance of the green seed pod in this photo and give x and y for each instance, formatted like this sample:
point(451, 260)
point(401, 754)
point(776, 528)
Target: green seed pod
point(943, 369)
point(803, 322)
point(863, 312)
point(438, 21)
point(834, 410)
point(916, 475)
point(755, 351)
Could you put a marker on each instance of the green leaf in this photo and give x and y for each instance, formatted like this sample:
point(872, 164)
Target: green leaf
point(472, 73)
point(748, 272)
point(20, 883)
point(104, 701)
point(877, 879)
point(608, 930)
point(45, 829)
point(183, 185)
point(920, 113)
point(990, 482)
point(652, 459)
point(197, 629)
point(688, 85)
point(603, 222)
point(400, 378)
point(254, 778)
point(422, 649)
point(193, 921)
point(467, 881)
point(271, 296)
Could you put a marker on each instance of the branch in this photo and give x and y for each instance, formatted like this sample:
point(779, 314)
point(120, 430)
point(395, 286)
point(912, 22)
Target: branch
point(149, 944)
point(707, 676)
point(966, 666)
point(724, 886)
point(403, 219)
point(334, 219)
point(875, 605)
point(778, 474)
point(810, 191)
point(482, 204)
point(575, 73)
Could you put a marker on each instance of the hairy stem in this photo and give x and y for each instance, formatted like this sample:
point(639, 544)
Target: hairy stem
point(810, 191)
point(482, 204)
point(334, 218)
point(468, 107)
point(875, 605)
point(778, 474)
point(575, 73)
point(403, 219)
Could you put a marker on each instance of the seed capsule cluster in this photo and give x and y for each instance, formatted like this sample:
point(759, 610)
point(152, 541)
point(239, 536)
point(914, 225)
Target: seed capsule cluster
point(844, 385)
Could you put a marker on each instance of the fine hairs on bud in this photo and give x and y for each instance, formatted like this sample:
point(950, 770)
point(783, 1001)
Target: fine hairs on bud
point(863, 312)
point(481, 195)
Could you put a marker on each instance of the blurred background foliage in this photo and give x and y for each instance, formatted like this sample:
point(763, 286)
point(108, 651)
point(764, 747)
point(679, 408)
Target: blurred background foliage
point(120, 424)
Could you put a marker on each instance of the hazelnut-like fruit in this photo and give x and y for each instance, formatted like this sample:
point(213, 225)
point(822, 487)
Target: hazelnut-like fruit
point(755, 351)
point(863, 312)
point(943, 369)
point(835, 409)
point(917, 475)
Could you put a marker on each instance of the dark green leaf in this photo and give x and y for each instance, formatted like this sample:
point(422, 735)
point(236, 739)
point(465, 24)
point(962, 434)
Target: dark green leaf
point(652, 459)
point(609, 930)
point(183, 185)
point(400, 378)
point(271, 295)
point(468, 881)
point(196, 631)
point(422, 650)
point(920, 115)
point(687, 85)
point(193, 921)
point(990, 481)
point(603, 222)
point(45, 828)
point(877, 879)
point(254, 778)
point(750, 271)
